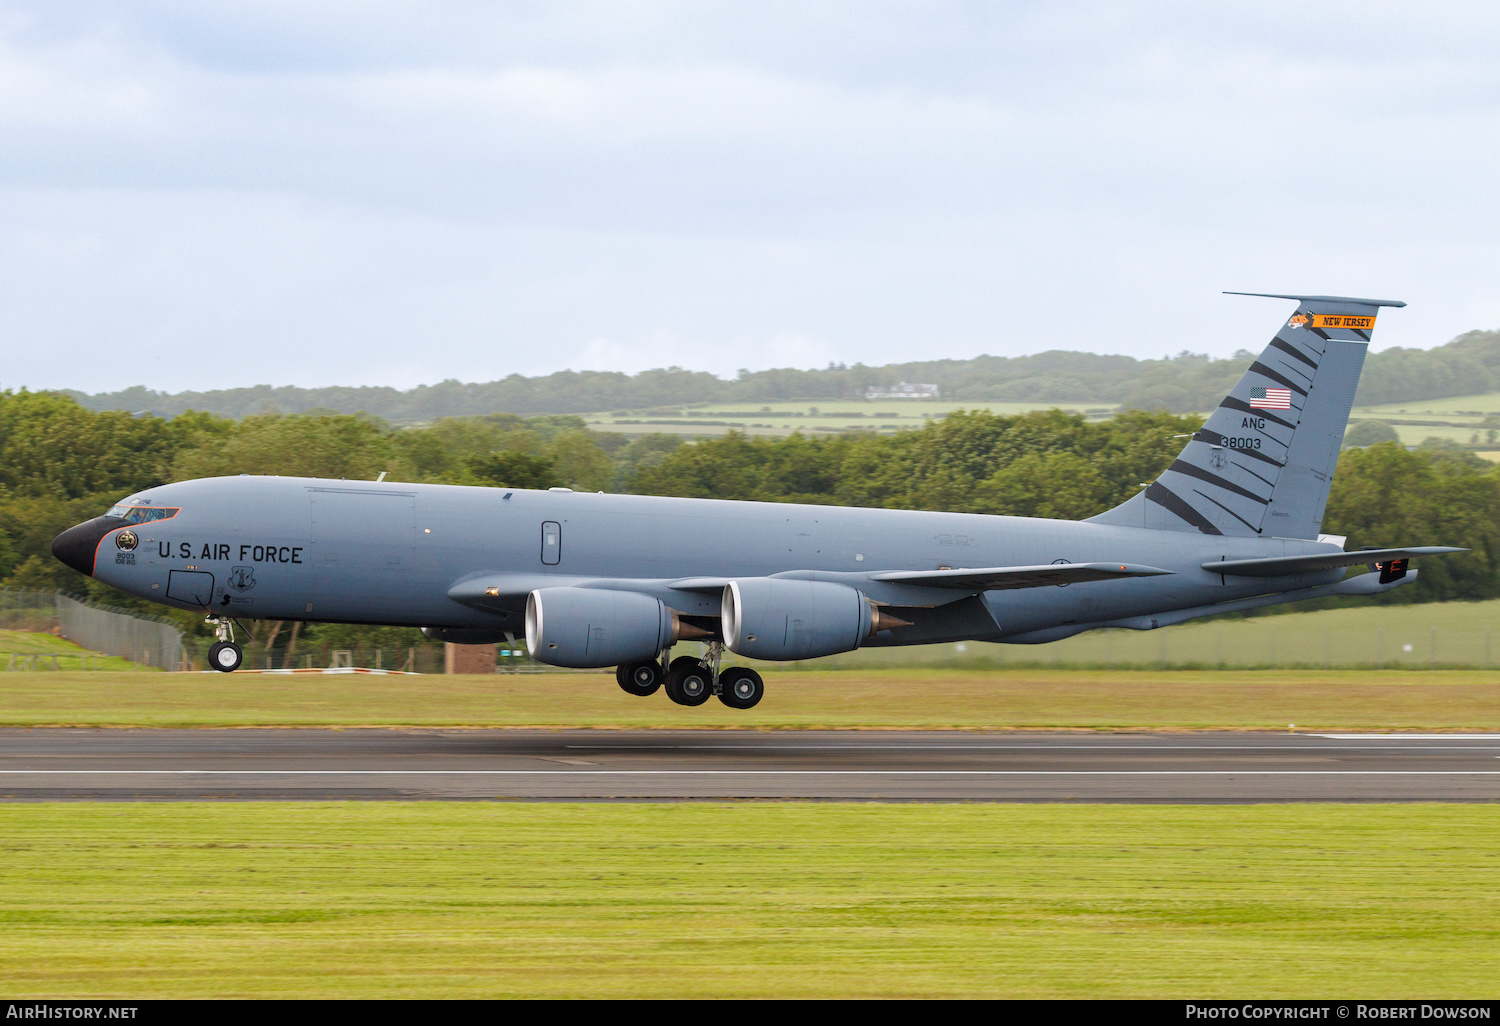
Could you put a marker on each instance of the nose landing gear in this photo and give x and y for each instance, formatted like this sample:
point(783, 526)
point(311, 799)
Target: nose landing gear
point(224, 655)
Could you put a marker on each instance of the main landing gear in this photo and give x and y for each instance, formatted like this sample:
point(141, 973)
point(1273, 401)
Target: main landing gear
point(691, 681)
point(224, 655)
point(640, 679)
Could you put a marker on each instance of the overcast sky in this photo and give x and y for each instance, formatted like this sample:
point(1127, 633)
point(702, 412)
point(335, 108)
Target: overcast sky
point(212, 195)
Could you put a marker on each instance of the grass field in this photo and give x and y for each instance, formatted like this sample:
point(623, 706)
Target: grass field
point(49, 648)
point(748, 900)
point(1456, 419)
point(1427, 635)
point(898, 698)
point(810, 417)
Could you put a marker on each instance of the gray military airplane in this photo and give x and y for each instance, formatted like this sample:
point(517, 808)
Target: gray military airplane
point(595, 580)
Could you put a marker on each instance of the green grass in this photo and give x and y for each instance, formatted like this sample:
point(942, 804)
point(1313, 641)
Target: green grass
point(832, 415)
point(748, 900)
point(1460, 415)
point(899, 698)
point(1463, 407)
point(1424, 635)
point(49, 646)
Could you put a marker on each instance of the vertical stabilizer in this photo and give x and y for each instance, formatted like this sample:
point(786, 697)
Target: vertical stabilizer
point(1262, 464)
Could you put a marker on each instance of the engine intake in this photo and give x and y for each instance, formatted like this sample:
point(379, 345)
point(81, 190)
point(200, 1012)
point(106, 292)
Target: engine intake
point(777, 618)
point(589, 627)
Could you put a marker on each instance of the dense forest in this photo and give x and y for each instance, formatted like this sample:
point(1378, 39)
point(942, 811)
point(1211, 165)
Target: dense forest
point(61, 463)
point(1468, 365)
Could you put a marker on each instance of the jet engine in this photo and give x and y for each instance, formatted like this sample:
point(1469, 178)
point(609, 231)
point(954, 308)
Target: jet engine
point(777, 618)
point(585, 627)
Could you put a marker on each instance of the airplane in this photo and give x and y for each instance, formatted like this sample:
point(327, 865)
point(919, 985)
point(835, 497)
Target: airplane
point(596, 580)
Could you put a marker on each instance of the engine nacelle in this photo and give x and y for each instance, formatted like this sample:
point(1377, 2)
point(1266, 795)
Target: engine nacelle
point(778, 618)
point(586, 627)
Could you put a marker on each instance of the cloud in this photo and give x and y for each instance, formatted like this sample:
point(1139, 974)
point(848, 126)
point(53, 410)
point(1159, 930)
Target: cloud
point(399, 192)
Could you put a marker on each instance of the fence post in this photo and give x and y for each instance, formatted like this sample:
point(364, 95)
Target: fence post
point(1327, 650)
point(1272, 646)
point(1433, 663)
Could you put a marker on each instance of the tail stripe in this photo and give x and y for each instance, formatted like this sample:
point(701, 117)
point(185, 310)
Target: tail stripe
point(1173, 503)
point(1214, 479)
point(1293, 351)
point(1226, 509)
point(1267, 372)
point(1231, 403)
point(1313, 361)
point(1215, 439)
point(1269, 484)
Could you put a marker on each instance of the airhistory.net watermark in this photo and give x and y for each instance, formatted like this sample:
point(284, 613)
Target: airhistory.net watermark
point(68, 1010)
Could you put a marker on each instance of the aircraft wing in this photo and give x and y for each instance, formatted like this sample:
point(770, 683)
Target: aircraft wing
point(1282, 566)
point(1007, 578)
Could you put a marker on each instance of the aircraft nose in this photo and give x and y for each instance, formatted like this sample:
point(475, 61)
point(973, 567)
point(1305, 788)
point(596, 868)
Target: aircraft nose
point(76, 545)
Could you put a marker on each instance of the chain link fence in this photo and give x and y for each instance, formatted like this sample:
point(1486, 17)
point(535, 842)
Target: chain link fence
point(147, 640)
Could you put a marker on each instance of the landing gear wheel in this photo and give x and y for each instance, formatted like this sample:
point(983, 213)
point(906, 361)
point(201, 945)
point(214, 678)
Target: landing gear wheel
point(741, 687)
point(689, 682)
point(224, 656)
point(683, 663)
point(640, 679)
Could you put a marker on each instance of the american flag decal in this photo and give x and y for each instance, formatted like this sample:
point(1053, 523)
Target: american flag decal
point(1271, 398)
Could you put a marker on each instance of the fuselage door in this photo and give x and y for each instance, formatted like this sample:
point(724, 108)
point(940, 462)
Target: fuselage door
point(551, 543)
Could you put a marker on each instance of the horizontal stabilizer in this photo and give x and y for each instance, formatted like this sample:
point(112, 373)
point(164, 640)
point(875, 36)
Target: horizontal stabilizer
point(1321, 299)
point(1007, 578)
point(1283, 566)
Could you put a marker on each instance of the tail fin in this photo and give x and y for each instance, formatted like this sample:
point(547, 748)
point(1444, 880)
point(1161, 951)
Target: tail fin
point(1262, 464)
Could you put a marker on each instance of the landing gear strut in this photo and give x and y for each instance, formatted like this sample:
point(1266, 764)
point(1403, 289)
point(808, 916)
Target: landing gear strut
point(224, 655)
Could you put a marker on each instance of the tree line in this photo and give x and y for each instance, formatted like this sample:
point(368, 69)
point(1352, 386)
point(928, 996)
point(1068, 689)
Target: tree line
point(1468, 365)
point(61, 463)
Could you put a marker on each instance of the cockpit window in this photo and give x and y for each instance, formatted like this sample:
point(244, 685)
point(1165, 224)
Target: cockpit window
point(142, 514)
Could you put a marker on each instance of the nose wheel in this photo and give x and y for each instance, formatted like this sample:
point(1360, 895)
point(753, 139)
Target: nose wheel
point(225, 656)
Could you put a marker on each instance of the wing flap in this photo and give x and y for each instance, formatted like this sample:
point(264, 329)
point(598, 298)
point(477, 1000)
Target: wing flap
point(1283, 566)
point(1008, 578)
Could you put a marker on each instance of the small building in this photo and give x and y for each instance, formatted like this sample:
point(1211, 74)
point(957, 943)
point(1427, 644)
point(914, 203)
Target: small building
point(904, 390)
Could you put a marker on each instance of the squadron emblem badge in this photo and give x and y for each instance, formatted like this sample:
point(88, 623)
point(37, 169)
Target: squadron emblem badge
point(126, 540)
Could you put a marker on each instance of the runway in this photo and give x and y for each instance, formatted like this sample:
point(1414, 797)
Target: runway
point(46, 764)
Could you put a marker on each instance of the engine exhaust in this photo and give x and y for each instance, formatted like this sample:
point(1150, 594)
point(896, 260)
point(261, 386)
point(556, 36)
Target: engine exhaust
point(883, 621)
point(684, 631)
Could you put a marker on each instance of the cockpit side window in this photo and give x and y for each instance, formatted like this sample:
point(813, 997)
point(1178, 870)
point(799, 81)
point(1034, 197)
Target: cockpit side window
point(143, 514)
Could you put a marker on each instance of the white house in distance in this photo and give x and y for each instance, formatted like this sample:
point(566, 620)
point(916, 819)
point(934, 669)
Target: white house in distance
point(904, 390)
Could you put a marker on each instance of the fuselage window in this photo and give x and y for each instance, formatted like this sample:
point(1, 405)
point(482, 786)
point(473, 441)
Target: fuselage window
point(551, 543)
point(143, 514)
